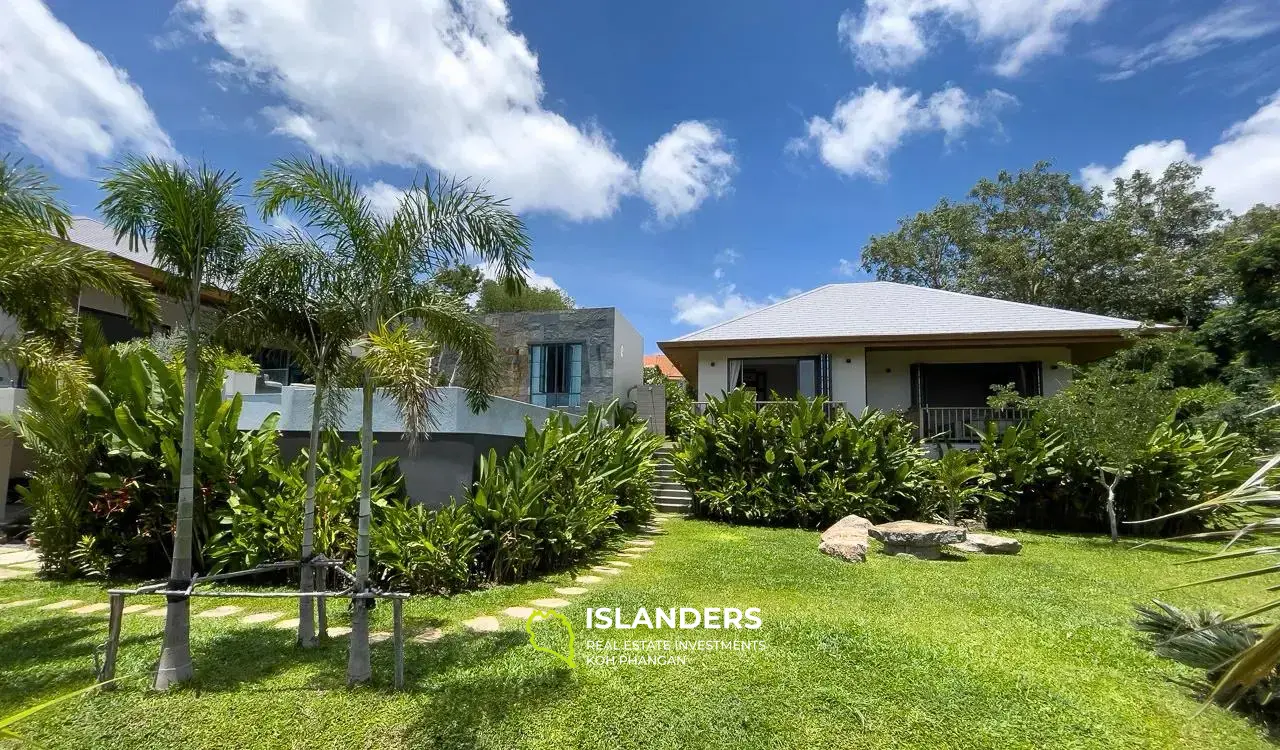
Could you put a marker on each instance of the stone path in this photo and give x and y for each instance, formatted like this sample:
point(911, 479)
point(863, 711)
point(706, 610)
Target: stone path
point(19, 560)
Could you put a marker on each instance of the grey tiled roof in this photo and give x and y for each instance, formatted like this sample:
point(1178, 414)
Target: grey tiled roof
point(881, 308)
point(93, 233)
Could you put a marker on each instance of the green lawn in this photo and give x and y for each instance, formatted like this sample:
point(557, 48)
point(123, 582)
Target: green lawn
point(1001, 652)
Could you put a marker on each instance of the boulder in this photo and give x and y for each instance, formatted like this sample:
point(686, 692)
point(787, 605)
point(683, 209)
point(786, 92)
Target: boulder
point(916, 534)
point(846, 539)
point(989, 544)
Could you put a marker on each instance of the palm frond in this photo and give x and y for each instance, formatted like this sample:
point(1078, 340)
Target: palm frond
point(28, 197)
point(325, 197)
point(451, 324)
point(400, 359)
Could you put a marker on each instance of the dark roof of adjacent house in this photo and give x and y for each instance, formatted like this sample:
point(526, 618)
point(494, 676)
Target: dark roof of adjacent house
point(664, 365)
point(94, 234)
point(876, 310)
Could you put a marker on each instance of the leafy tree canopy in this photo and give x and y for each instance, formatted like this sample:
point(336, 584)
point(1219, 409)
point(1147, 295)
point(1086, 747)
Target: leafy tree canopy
point(496, 297)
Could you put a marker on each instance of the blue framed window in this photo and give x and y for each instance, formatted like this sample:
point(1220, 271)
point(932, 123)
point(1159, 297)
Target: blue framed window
point(555, 374)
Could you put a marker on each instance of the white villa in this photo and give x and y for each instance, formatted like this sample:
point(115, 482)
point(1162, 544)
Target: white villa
point(931, 353)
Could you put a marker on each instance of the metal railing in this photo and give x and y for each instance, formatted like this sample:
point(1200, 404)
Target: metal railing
point(962, 424)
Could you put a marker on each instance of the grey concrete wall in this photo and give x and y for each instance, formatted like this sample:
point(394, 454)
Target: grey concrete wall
point(651, 406)
point(436, 471)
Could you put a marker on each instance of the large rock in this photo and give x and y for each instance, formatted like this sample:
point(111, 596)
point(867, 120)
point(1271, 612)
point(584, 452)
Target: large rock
point(917, 534)
point(846, 539)
point(989, 544)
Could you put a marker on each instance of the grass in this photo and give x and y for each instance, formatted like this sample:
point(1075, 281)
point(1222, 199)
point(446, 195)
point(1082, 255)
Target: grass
point(1007, 652)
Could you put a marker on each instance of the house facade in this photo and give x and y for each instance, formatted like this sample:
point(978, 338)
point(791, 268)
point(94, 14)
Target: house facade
point(932, 354)
point(566, 359)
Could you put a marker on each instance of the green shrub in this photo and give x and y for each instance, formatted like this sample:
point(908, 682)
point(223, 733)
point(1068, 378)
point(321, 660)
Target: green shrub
point(563, 492)
point(1046, 478)
point(265, 525)
point(794, 464)
point(959, 489)
point(426, 551)
point(121, 442)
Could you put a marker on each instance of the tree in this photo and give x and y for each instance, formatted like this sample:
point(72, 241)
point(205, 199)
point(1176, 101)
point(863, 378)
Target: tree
point(931, 249)
point(462, 281)
point(292, 295)
point(1249, 328)
point(497, 297)
point(1110, 414)
point(41, 276)
point(196, 232)
point(404, 317)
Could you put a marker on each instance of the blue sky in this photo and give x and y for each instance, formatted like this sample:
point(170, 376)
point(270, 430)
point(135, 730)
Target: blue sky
point(682, 161)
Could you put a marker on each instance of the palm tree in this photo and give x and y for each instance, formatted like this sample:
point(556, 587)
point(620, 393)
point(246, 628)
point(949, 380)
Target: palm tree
point(197, 233)
point(290, 295)
point(40, 278)
point(403, 316)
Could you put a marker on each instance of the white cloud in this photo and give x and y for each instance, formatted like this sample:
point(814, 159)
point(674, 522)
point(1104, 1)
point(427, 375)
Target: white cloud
point(534, 279)
point(894, 34)
point(846, 268)
point(447, 84)
point(1236, 22)
point(702, 310)
point(868, 126)
point(1243, 168)
point(384, 198)
point(684, 168)
point(62, 99)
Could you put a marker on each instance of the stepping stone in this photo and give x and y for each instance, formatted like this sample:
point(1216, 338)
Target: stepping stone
point(261, 617)
point(552, 603)
point(160, 611)
point(607, 571)
point(430, 635)
point(588, 579)
point(641, 542)
point(337, 632)
point(378, 636)
point(19, 603)
point(6, 573)
point(223, 611)
point(618, 564)
point(287, 624)
point(64, 604)
point(630, 555)
point(27, 566)
point(90, 608)
point(635, 550)
point(571, 591)
point(136, 608)
point(520, 613)
point(486, 624)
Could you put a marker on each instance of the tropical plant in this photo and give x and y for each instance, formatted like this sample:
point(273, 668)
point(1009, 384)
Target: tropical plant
point(389, 260)
point(1209, 641)
point(798, 463)
point(41, 275)
point(959, 484)
point(564, 491)
point(268, 526)
point(196, 232)
point(428, 551)
point(291, 296)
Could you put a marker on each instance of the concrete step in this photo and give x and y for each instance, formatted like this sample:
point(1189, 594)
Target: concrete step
point(672, 507)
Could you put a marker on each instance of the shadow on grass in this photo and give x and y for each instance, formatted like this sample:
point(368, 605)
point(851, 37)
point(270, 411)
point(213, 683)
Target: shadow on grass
point(52, 654)
point(237, 659)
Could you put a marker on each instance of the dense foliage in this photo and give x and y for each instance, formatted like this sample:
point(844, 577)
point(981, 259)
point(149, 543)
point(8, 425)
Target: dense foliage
point(798, 464)
point(679, 400)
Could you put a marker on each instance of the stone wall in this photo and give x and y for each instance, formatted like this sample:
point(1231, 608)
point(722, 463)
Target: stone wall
point(591, 327)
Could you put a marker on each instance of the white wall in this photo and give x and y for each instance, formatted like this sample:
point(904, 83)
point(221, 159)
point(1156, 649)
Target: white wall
point(628, 356)
point(848, 371)
point(889, 371)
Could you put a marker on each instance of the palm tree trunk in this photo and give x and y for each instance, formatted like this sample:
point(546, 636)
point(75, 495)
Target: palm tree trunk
point(306, 608)
point(175, 655)
point(358, 667)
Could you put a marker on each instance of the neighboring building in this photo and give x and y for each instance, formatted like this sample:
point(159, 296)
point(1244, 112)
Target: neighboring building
point(933, 354)
point(664, 366)
point(567, 358)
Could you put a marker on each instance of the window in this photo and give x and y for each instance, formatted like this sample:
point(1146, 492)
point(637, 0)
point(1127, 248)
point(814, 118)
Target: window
point(555, 374)
point(969, 384)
